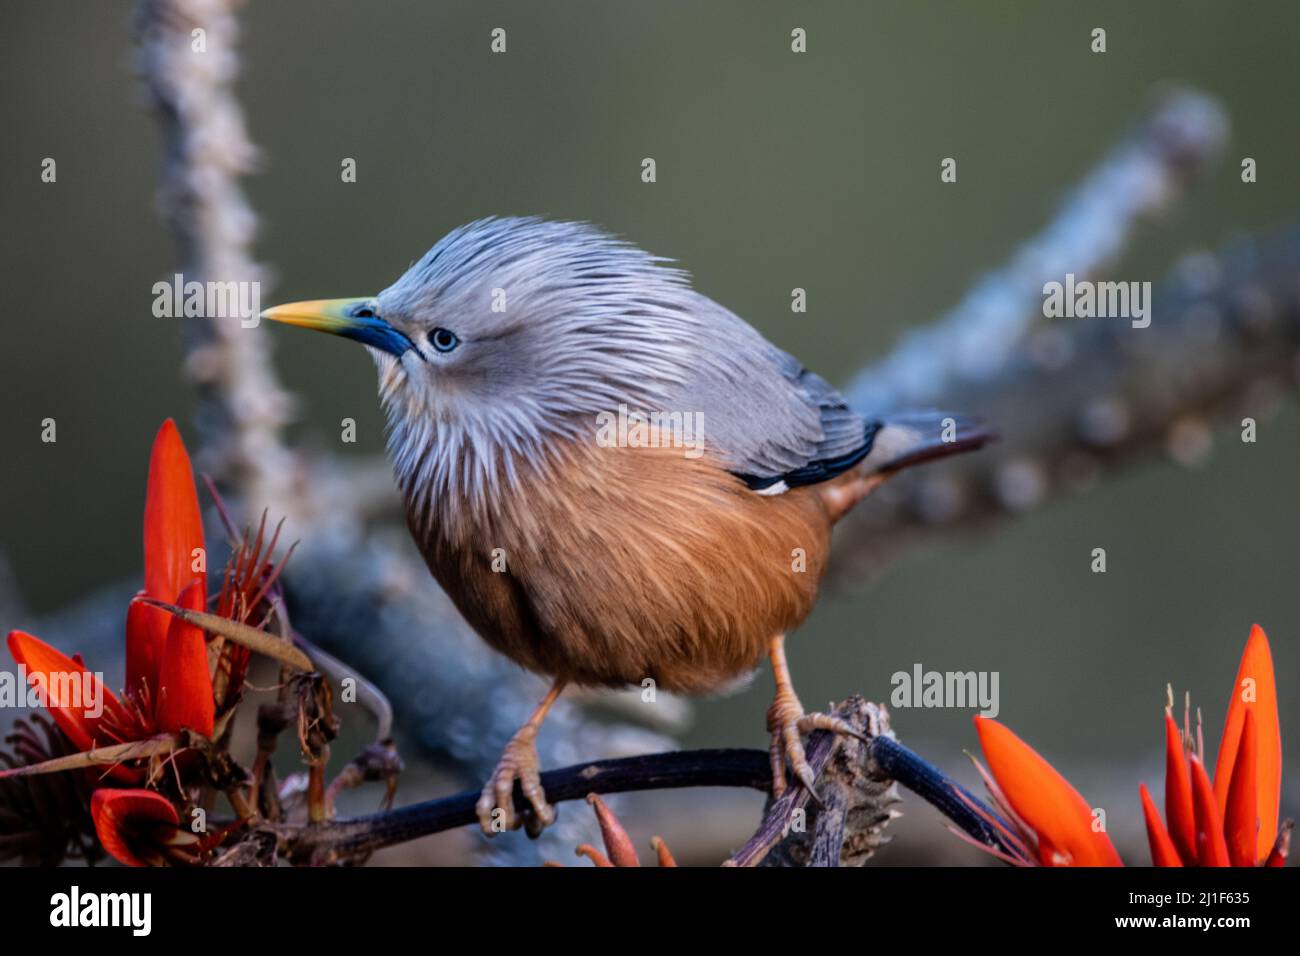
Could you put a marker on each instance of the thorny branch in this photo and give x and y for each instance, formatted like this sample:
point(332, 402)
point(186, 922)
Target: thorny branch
point(206, 150)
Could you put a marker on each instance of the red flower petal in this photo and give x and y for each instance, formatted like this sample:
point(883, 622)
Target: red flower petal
point(1044, 800)
point(173, 526)
point(1257, 668)
point(184, 682)
point(1211, 848)
point(1282, 848)
point(661, 850)
point(68, 688)
point(1179, 809)
point(591, 853)
point(617, 843)
point(1241, 819)
point(120, 815)
point(146, 637)
point(1163, 852)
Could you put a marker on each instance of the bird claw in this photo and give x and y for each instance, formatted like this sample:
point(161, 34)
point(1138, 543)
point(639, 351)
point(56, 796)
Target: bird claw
point(787, 723)
point(496, 805)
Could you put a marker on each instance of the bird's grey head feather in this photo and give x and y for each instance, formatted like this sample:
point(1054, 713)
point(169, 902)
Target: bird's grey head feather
point(556, 322)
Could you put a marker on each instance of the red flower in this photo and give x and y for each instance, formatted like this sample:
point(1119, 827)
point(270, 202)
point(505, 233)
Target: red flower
point(1055, 825)
point(168, 684)
point(1230, 822)
point(140, 828)
point(1234, 821)
point(619, 851)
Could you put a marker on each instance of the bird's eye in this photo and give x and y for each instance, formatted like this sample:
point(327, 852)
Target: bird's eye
point(363, 312)
point(444, 340)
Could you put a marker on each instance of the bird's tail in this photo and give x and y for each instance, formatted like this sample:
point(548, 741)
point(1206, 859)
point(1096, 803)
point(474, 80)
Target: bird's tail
point(904, 439)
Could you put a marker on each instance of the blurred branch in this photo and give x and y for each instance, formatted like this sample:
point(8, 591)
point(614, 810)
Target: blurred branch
point(1079, 399)
point(190, 81)
point(976, 341)
point(1077, 402)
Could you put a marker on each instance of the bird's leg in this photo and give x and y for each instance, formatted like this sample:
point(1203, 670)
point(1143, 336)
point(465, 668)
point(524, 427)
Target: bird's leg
point(496, 806)
point(787, 723)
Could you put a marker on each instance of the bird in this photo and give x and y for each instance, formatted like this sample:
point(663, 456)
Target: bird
point(614, 478)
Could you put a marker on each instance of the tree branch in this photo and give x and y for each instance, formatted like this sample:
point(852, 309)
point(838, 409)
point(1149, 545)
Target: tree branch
point(1141, 177)
point(206, 150)
point(841, 825)
point(338, 840)
point(1082, 399)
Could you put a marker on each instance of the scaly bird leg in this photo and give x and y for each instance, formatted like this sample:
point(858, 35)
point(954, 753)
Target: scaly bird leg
point(496, 806)
point(787, 723)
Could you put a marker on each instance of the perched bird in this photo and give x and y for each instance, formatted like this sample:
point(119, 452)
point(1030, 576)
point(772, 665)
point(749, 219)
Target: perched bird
point(613, 477)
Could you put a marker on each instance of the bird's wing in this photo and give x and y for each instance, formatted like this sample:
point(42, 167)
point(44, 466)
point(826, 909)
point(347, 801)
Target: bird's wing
point(774, 423)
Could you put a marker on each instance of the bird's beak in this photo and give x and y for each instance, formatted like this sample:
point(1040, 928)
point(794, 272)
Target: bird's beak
point(346, 317)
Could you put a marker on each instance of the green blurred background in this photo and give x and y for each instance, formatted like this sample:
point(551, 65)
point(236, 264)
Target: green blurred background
point(774, 171)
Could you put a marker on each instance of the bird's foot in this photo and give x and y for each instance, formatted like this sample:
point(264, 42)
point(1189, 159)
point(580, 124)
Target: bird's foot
point(496, 806)
point(787, 723)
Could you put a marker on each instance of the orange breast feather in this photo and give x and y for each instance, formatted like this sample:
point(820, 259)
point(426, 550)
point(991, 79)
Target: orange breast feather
point(612, 565)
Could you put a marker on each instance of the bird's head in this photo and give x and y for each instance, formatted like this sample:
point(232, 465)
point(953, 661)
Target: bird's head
point(506, 334)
